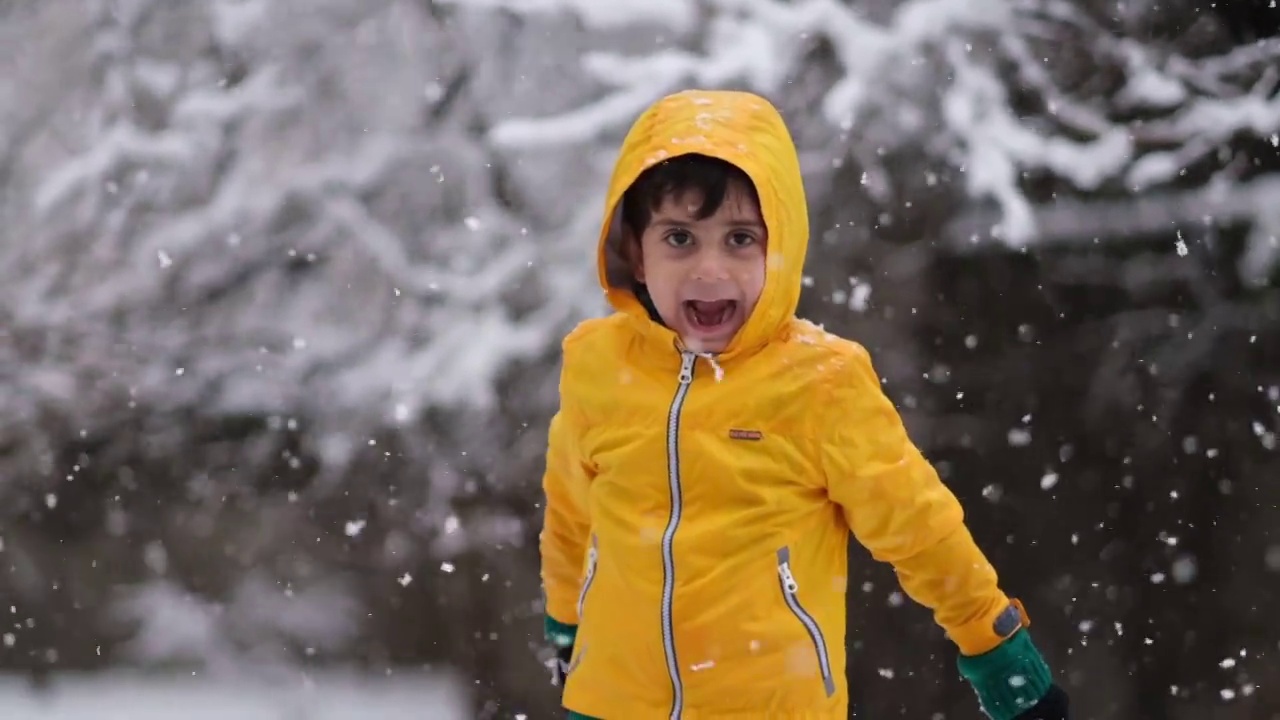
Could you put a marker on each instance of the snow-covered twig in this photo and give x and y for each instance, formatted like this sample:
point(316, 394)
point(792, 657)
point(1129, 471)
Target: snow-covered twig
point(1134, 219)
point(1083, 142)
point(674, 14)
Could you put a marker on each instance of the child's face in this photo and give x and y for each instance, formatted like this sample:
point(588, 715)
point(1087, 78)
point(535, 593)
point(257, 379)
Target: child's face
point(704, 276)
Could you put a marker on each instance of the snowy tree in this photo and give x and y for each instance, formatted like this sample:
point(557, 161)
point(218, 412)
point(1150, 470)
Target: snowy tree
point(264, 281)
point(969, 85)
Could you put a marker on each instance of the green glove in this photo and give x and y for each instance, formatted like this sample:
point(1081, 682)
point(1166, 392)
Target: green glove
point(1009, 679)
point(560, 635)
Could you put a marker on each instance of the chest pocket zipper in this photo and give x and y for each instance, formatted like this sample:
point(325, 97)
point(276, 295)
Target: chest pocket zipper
point(789, 590)
point(593, 555)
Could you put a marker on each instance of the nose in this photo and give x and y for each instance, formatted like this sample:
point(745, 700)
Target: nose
point(710, 264)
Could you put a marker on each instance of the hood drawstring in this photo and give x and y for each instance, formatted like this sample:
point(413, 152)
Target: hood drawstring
point(708, 356)
point(715, 366)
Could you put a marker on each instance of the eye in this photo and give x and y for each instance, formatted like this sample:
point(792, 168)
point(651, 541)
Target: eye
point(741, 239)
point(679, 238)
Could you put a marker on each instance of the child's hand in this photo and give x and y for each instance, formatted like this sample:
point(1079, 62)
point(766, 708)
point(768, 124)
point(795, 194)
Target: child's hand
point(559, 665)
point(1053, 706)
point(1014, 683)
point(560, 637)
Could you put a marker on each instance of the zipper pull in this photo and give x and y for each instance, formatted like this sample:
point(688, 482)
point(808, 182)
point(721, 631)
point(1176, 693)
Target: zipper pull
point(788, 580)
point(686, 367)
point(592, 554)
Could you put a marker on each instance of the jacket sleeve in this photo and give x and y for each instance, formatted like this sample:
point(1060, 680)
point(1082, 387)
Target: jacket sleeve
point(899, 509)
point(566, 524)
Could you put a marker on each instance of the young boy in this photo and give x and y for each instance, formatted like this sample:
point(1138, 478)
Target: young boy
point(712, 453)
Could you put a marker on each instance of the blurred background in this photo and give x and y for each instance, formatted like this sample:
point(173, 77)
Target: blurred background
point(282, 284)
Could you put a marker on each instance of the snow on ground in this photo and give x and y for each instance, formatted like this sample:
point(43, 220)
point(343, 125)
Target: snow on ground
point(125, 696)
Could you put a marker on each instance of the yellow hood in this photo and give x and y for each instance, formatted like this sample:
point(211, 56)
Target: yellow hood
point(740, 128)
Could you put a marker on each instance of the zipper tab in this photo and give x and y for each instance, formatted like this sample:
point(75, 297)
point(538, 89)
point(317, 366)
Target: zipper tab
point(593, 555)
point(789, 588)
point(686, 367)
point(788, 580)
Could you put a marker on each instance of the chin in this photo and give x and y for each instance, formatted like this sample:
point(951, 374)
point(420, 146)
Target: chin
point(701, 344)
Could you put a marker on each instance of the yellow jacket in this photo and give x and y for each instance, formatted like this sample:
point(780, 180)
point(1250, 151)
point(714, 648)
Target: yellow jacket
point(698, 509)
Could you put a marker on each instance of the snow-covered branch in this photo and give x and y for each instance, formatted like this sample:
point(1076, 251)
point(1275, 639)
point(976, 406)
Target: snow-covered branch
point(673, 14)
point(241, 230)
point(954, 77)
point(760, 44)
point(1140, 218)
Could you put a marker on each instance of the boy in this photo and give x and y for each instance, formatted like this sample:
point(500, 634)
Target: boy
point(712, 452)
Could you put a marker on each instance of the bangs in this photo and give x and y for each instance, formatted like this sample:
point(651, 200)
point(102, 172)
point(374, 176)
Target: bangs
point(707, 177)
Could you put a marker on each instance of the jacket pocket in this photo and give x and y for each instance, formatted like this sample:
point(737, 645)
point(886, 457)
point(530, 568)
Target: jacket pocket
point(593, 556)
point(789, 590)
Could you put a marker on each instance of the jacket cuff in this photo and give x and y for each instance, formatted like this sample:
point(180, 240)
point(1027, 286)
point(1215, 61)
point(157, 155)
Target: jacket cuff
point(557, 633)
point(1000, 622)
point(1010, 679)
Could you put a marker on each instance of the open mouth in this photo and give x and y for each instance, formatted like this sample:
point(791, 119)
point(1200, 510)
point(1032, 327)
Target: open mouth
point(709, 314)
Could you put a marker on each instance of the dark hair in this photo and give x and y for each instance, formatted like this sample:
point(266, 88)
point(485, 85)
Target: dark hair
point(709, 177)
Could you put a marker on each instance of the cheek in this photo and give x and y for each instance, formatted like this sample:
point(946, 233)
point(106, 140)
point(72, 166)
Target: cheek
point(663, 292)
point(662, 283)
point(752, 280)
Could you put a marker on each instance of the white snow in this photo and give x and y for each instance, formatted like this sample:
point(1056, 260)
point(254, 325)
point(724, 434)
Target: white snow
point(406, 695)
point(675, 14)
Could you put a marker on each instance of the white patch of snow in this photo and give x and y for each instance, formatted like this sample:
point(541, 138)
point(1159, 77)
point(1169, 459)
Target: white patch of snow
point(120, 695)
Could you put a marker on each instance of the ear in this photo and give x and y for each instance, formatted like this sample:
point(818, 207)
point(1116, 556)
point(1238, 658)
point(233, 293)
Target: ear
point(634, 255)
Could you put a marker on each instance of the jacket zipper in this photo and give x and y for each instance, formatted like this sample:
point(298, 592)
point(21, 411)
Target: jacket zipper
point(789, 590)
point(593, 556)
point(668, 537)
